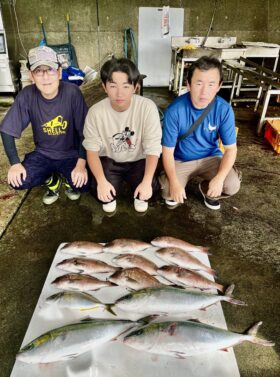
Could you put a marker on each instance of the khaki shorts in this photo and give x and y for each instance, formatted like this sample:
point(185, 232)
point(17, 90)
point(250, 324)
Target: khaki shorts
point(205, 168)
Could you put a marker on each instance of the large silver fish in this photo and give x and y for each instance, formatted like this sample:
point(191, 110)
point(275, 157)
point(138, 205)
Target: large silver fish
point(169, 300)
point(181, 258)
point(69, 341)
point(124, 245)
point(83, 248)
point(176, 242)
point(77, 282)
point(188, 338)
point(187, 278)
point(85, 266)
point(132, 260)
point(134, 278)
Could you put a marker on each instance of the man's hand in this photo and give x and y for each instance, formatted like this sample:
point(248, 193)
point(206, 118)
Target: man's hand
point(177, 192)
point(143, 191)
point(215, 187)
point(105, 191)
point(16, 175)
point(79, 174)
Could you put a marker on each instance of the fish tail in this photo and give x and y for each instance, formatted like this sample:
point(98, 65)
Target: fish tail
point(220, 287)
point(229, 290)
point(228, 296)
point(64, 246)
point(252, 332)
point(147, 319)
point(211, 272)
point(109, 307)
point(235, 302)
point(204, 249)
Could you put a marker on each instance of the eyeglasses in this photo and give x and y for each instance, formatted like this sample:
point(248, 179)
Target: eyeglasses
point(39, 72)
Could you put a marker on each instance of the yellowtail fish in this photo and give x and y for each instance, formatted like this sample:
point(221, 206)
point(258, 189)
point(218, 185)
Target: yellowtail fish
point(176, 242)
point(169, 300)
point(69, 341)
point(188, 338)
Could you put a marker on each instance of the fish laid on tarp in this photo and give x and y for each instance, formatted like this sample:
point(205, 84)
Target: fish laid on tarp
point(187, 278)
point(83, 248)
point(77, 282)
point(181, 258)
point(124, 245)
point(134, 278)
point(85, 266)
point(132, 260)
point(188, 338)
point(69, 341)
point(166, 241)
point(75, 301)
point(169, 300)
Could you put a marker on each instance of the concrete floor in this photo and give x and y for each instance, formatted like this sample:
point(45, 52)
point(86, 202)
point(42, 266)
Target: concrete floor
point(243, 238)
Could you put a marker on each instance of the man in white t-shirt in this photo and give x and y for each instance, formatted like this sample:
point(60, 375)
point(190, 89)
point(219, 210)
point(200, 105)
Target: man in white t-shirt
point(123, 138)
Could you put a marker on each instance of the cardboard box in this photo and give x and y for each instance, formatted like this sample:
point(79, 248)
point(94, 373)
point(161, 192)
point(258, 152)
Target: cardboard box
point(272, 133)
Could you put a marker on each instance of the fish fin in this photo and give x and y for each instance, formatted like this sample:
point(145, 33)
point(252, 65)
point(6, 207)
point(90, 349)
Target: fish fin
point(111, 283)
point(131, 280)
point(204, 249)
point(148, 318)
point(70, 356)
point(211, 272)
point(228, 296)
point(229, 290)
point(108, 307)
point(236, 302)
point(252, 332)
point(65, 246)
point(224, 350)
point(172, 328)
point(179, 355)
point(87, 319)
point(254, 329)
point(220, 288)
point(196, 320)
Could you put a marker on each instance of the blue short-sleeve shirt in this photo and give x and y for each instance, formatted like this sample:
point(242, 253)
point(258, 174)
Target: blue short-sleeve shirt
point(203, 142)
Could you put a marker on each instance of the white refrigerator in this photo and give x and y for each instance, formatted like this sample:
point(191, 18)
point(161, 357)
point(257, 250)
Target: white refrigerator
point(156, 27)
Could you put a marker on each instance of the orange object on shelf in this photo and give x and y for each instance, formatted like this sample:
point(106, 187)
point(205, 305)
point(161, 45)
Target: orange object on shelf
point(221, 146)
point(272, 133)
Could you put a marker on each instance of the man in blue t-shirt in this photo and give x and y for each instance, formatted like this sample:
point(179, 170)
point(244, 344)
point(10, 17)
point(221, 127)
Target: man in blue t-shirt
point(198, 154)
point(56, 111)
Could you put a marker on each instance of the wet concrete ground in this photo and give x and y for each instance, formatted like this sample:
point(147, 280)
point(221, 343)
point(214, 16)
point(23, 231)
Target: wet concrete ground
point(243, 238)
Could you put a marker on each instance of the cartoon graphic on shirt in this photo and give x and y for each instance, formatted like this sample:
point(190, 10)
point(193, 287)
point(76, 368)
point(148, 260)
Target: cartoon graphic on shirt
point(211, 128)
point(122, 141)
point(56, 126)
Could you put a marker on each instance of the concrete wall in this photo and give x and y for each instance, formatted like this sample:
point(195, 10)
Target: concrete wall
point(254, 20)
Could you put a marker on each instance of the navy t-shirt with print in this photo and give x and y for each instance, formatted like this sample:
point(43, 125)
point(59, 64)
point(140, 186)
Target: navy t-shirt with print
point(57, 123)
